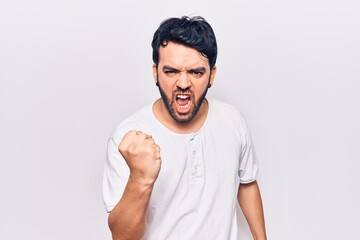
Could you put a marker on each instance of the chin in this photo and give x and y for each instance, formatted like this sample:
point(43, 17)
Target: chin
point(183, 118)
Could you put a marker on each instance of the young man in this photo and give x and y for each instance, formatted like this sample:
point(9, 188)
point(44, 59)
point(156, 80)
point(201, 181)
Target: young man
point(177, 168)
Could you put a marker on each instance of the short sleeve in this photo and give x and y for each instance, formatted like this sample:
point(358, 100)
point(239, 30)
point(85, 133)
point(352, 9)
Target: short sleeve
point(116, 174)
point(248, 167)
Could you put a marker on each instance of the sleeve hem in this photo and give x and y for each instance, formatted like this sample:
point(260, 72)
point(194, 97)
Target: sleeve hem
point(247, 181)
point(109, 208)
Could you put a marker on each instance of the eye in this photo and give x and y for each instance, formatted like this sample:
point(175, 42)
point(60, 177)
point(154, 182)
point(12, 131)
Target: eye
point(197, 73)
point(170, 72)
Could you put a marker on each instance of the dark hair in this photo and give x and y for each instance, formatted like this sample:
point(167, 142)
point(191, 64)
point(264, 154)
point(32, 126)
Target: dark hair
point(193, 32)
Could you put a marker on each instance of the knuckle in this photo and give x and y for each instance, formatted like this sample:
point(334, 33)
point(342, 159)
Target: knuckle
point(121, 147)
point(132, 147)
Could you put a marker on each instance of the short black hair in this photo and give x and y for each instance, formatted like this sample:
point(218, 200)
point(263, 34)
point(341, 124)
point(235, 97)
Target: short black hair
point(193, 32)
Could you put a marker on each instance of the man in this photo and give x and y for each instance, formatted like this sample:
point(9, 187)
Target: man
point(177, 168)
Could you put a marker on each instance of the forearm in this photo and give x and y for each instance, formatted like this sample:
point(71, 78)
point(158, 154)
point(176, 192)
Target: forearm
point(128, 218)
point(249, 198)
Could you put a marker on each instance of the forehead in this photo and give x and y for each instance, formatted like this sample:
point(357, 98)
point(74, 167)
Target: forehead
point(179, 55)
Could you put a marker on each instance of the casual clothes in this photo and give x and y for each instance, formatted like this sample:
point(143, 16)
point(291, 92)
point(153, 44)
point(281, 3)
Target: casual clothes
point(195, 195)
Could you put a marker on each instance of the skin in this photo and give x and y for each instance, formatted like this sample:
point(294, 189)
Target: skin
point(142, 155)
point(249, 198)
point(181, 71)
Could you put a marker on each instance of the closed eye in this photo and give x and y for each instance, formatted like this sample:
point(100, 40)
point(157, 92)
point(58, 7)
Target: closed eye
point(199, 73)
point(169, 71)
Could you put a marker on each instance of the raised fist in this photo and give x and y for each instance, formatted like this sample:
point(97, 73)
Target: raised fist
point(142, 155)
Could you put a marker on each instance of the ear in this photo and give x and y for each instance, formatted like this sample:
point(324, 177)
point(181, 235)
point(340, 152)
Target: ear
point(154, 73)
point(212, 76)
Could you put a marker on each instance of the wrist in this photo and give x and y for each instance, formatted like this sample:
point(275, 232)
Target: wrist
point(263, 237)
point(141, 182)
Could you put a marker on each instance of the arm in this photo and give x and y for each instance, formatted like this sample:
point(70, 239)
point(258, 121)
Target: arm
point(127, 220)
point(250, 202)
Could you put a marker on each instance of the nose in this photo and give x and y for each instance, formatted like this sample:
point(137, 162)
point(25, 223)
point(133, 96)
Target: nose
point(183, 81)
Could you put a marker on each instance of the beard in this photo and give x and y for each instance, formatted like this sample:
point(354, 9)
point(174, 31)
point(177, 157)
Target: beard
point(178, 117)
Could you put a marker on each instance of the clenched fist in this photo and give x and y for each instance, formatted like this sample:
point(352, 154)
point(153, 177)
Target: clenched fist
point(142, 155)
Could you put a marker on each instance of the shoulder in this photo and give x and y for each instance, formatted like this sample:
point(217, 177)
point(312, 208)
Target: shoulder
point(228, 117)
point(224, 111)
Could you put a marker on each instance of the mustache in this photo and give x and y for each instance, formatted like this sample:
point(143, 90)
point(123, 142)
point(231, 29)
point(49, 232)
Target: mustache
point(183, 91)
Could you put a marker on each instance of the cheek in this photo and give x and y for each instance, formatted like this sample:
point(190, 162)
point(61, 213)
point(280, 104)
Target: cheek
point(167, 88)
point(200, 88)
point(164, 83)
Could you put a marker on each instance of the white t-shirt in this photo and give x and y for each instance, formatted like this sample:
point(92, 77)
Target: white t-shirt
point(195, 195)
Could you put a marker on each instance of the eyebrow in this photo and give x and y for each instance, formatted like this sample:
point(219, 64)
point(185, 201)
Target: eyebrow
point(169, 68)
point(199, 69)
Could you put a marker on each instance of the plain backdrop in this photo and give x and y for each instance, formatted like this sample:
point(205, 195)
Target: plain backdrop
point(71, 70)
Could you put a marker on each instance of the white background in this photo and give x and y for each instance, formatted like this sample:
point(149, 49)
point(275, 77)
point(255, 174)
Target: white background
point(71, 70)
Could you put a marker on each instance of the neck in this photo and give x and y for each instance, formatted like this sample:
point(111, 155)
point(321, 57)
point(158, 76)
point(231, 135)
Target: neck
point(164, 117)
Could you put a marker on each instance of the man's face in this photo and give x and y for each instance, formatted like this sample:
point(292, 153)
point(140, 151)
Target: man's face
point(183, 75)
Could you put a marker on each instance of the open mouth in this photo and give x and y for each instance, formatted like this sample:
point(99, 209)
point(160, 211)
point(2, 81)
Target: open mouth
point(183, 102)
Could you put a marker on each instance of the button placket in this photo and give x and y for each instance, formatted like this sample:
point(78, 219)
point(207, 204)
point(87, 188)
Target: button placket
point(195, 157)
